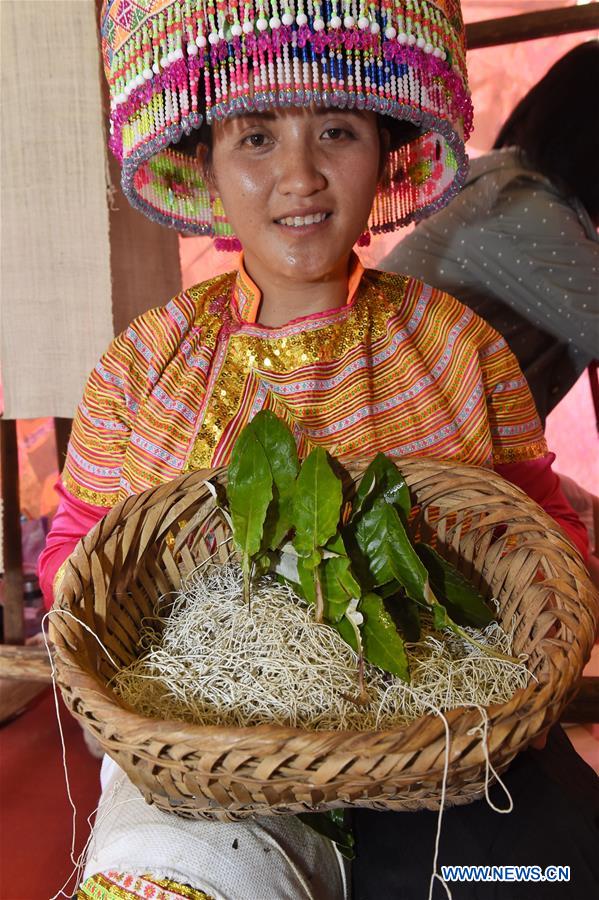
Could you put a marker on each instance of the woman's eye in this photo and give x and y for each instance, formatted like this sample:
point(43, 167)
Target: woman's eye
point(335, 134)
point(255, 140)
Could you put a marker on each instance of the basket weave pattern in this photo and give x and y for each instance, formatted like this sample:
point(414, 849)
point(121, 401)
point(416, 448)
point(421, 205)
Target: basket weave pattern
point(144, 548)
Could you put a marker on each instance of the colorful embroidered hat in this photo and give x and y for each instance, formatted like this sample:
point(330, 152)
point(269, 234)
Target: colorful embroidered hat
point(175, 65)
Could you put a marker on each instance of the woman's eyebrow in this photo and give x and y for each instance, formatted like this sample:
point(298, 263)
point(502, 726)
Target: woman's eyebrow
point(321, 111)
point(337, 111)
point(269, 115)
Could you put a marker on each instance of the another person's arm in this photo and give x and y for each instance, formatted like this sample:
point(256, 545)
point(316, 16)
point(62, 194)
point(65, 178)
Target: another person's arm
point(516, 240)
point(545, 263)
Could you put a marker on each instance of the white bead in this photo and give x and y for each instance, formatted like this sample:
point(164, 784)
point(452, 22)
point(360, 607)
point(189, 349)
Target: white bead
point(349, 21)
point(121, 97)
point(248, 27)
point(275, 23)
point(156, 69)
point(164, 62)
point(221, 34)
point(443, 54)
point(201, 40)
point(139, 80)
point(178, 54)
point(301, 19)
point(335, 22)
point(213, 38)
point(390, 33)
point(262, 24)
point(236, 30)
point(147, 73)
point(171, 57)
point(403, 38)
point(363, 23)
point(127, 89)
point(192, 50)
point(375, 28)
point(420, 43)
point(411, 39)
point(428, 48)
point(437, 52)
point(318, 25)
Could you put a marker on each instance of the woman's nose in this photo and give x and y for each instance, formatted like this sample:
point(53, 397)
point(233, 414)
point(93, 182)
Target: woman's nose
point(299, 171)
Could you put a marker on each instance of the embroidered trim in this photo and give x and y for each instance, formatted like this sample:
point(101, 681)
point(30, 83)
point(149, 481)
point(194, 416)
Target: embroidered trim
point(123, 886)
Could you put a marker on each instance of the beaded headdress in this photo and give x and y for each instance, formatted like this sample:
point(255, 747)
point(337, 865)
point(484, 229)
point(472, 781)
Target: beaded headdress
point(175, 65)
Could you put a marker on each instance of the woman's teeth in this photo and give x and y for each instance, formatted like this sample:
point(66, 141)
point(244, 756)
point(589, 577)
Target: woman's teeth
point(298, 221)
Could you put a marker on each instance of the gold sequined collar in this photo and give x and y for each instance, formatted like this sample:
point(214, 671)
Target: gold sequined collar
point(247, 296)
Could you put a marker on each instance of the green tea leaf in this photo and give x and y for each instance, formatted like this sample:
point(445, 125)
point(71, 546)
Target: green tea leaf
point(388, 553)
point(383, 646)
point(249, 491)
point(316, 505)
point(333, 827)
point(337, 580)
point(382, 479)
point(279, 445)
point(463, 602)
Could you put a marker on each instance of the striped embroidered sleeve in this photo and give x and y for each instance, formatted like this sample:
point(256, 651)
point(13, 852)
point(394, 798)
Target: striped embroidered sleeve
point(515, 425)
point(119, 384)
point(102, 426)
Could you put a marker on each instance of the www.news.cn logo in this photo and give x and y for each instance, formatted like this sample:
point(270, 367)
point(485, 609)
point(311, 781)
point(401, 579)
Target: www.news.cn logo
point(505, 873)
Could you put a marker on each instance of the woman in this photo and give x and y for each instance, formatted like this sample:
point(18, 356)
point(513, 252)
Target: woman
point(294, 162)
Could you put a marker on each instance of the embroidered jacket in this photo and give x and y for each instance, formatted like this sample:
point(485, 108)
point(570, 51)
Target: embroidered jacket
point(401, 368)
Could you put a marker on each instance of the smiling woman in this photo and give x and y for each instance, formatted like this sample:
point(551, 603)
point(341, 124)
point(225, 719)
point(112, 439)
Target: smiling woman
point(289, 131)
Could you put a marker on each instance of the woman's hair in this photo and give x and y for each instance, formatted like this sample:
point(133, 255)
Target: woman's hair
point(556, 125)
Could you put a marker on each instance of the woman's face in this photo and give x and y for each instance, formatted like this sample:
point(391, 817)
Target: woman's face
point(297, 185)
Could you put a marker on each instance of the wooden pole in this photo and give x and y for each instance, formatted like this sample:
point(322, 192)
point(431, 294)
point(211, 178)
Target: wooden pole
point(29, 663)
point(530, 26)
point(14, 621)
point(62, 432)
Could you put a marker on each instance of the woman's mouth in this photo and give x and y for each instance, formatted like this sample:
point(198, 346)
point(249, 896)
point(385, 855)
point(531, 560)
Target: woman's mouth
point(303, 221)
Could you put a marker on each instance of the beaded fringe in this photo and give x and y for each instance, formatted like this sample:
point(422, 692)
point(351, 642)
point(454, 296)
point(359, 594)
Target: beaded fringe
point(198, 61)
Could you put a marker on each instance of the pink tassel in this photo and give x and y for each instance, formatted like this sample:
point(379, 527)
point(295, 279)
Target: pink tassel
point(228, 244)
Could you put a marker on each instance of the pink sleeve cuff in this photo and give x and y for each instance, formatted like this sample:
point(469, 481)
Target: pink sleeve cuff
point(72, 521)
point(537, 479)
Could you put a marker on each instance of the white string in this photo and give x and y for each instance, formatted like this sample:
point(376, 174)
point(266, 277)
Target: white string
point(79, 865)
point(483, 732)
point(435, 875)
point(75, 862)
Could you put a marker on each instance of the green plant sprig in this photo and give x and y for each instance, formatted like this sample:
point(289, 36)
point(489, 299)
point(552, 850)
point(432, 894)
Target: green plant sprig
point(364, 576)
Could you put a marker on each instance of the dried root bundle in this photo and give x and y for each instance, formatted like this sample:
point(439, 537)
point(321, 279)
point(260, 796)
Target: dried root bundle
point(215, 661)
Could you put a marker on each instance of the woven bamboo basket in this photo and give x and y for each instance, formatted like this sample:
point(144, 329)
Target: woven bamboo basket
point(146, 546)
